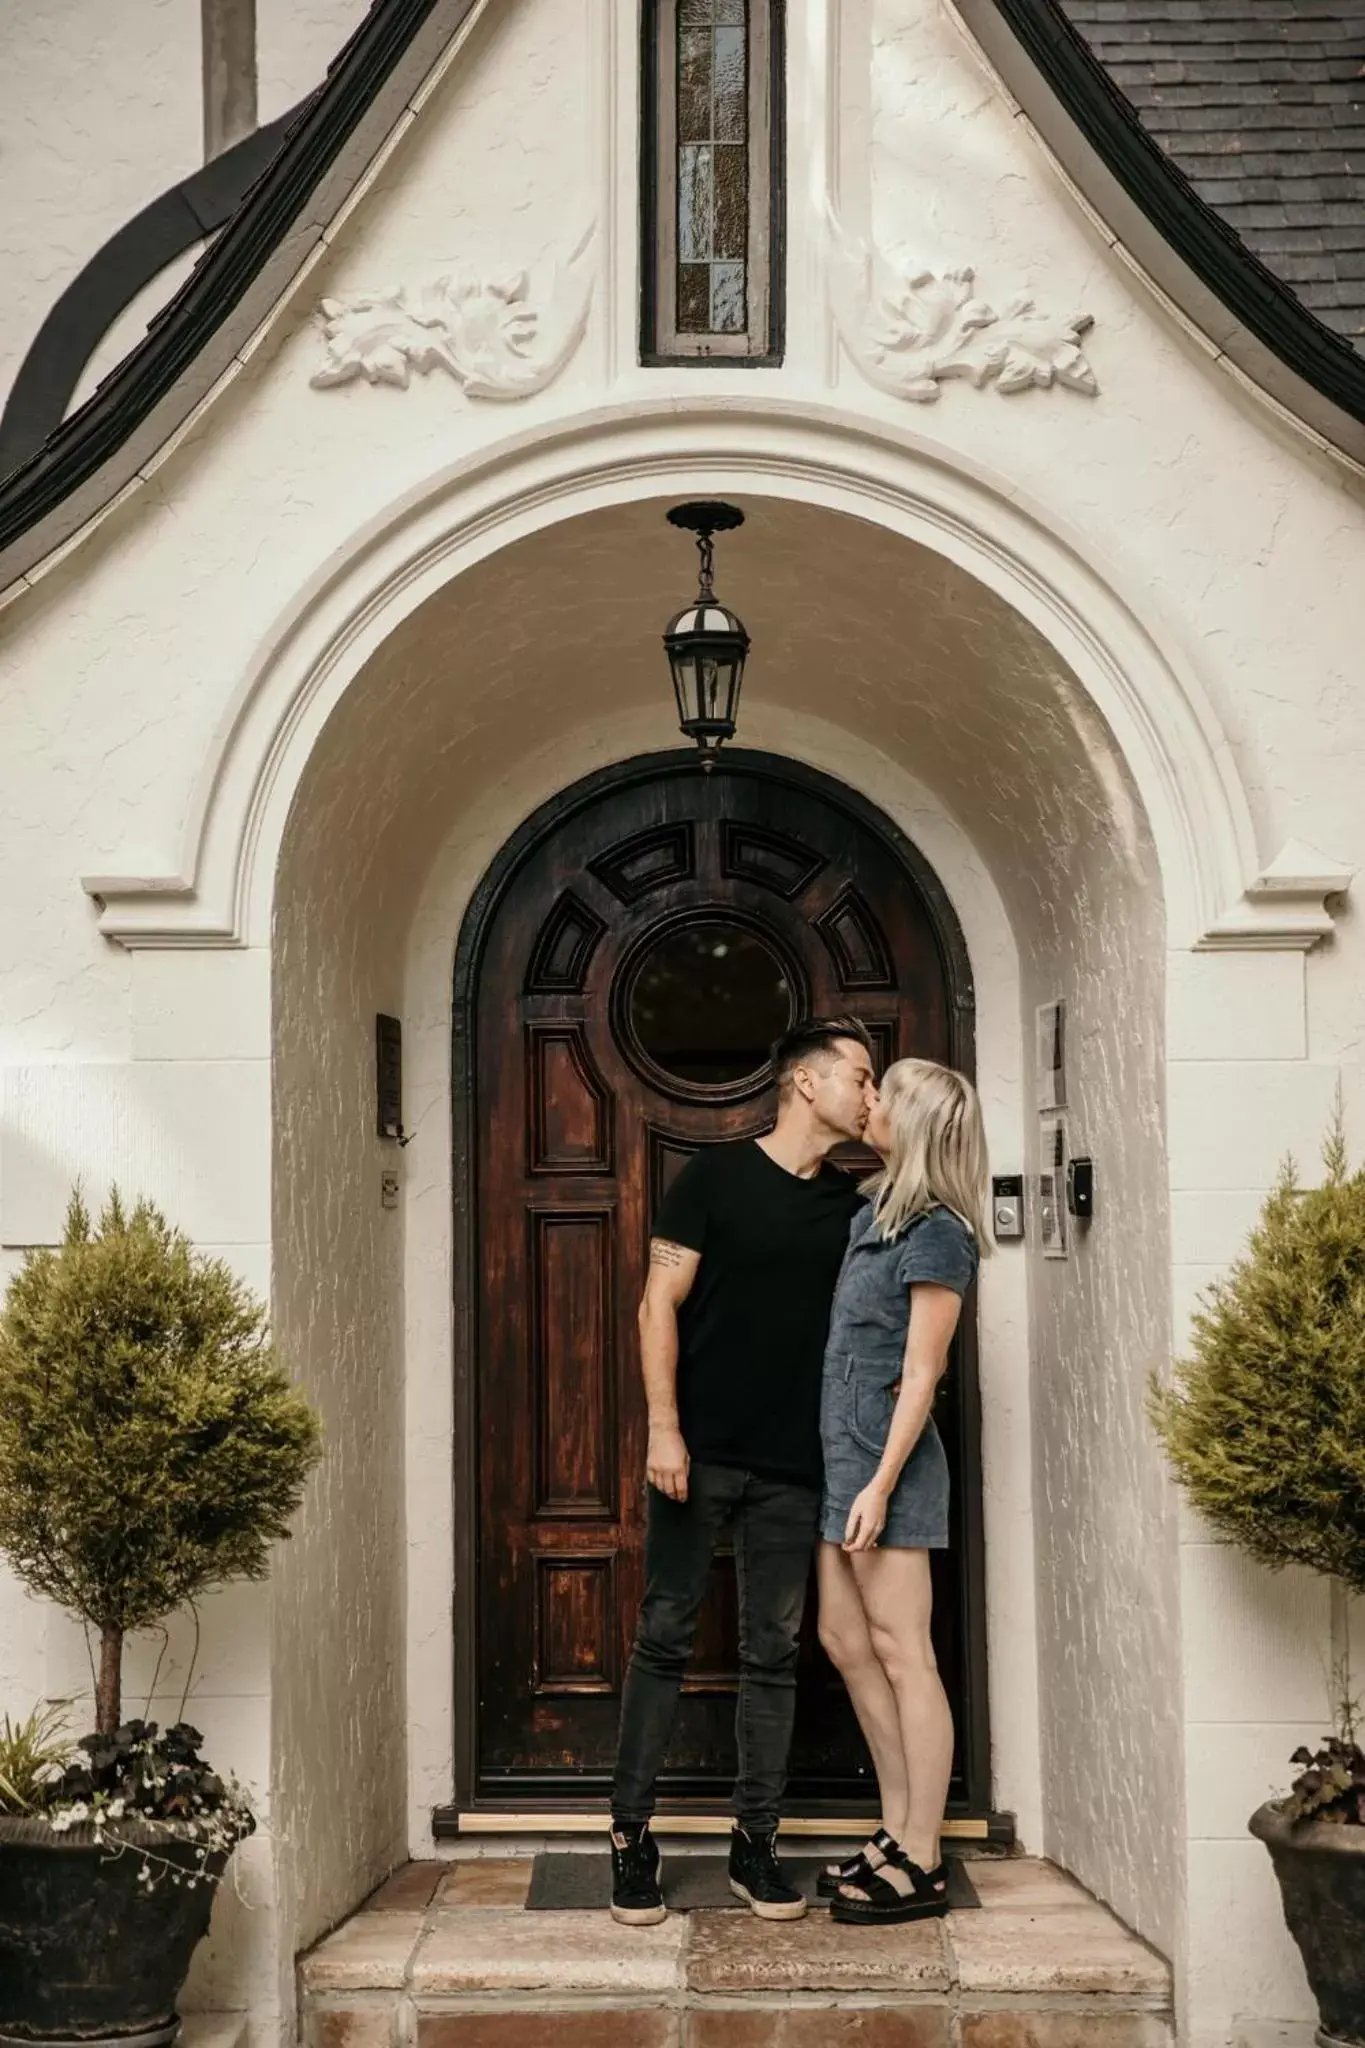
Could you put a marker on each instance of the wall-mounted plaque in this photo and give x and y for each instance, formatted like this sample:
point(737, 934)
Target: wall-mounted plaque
point(1052, 1187)
point(388, 1051)
point(1050, 1060)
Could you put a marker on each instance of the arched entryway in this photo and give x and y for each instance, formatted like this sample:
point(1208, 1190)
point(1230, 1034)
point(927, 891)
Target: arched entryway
point(900, 670)
point(621, 971)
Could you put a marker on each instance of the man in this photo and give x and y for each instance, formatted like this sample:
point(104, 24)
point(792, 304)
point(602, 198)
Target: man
point(745, 1254)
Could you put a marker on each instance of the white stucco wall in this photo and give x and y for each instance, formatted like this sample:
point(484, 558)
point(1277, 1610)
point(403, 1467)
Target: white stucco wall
point(1109, 1623)
point(1225, 538)
point(295, 42)
point(338, 1680)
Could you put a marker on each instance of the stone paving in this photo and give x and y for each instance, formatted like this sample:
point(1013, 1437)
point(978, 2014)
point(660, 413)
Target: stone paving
point(445, 1956)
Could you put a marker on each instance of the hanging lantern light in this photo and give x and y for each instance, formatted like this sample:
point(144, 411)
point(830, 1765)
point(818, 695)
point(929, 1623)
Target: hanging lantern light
point(707, 644)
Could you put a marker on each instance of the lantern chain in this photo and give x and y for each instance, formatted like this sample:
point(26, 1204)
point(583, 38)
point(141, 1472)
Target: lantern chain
point(706, 593)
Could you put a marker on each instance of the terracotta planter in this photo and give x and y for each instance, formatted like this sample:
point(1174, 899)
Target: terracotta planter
point(87, 1953)
point(1321, 1869)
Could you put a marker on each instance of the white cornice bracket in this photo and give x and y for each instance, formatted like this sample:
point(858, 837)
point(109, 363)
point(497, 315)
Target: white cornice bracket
point(1286, 909)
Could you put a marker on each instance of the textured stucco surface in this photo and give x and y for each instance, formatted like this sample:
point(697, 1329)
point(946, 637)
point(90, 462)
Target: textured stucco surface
point(1142, 1715)
point(338, 1793)
point(295, 42)
point(1108, 1599)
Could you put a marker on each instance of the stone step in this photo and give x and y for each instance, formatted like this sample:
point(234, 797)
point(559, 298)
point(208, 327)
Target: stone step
point(446, 1956)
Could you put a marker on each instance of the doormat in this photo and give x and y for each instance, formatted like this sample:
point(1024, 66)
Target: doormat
point(565, 1881)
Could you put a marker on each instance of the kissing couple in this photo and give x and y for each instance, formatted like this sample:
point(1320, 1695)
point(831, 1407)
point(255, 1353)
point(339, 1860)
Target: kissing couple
point(793, 1330)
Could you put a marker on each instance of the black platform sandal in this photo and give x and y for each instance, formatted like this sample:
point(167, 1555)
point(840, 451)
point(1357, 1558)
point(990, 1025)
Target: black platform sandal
point(854, 1869)
point(884, 1904)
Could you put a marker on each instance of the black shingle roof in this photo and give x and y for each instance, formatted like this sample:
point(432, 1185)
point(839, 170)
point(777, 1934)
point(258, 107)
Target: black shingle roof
point(1261, 103)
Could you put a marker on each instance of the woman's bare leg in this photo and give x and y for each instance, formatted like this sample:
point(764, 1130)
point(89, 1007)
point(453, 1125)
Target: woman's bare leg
point(846, 1640)
point(896, 1596)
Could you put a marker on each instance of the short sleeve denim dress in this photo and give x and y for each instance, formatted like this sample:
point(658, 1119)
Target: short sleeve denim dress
point(863, 1359)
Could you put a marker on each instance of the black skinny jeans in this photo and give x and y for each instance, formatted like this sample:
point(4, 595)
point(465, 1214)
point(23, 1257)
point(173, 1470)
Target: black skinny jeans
point(774, 1524)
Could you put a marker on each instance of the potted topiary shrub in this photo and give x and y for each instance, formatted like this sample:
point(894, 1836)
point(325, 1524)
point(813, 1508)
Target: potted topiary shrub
point(151, 1447)
point(1265, 1428)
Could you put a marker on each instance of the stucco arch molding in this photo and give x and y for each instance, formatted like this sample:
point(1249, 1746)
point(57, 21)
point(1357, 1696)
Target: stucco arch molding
point(1218, 892)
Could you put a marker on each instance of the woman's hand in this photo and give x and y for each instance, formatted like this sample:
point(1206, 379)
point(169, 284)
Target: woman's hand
point(667, 1463)
point(866, 1518)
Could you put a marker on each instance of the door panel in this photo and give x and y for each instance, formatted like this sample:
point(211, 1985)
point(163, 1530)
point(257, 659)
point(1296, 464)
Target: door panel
point(569, 1106)
point(573, 1384)
point(631, 969)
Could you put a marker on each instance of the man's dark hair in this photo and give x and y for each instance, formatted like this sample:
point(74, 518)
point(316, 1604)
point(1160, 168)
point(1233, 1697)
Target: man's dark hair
point(813, 1035)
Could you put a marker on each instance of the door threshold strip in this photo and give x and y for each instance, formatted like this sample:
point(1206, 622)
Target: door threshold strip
point(684, 1824)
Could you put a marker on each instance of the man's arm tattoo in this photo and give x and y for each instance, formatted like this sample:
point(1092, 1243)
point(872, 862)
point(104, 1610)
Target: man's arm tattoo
point(663, 1252)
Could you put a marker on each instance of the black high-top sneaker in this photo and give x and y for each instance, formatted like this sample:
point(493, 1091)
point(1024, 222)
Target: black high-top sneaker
point(636, 1899)
point(756, 1876)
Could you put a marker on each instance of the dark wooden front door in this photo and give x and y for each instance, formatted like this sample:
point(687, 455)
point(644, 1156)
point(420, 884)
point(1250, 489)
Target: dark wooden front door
point(633, 963)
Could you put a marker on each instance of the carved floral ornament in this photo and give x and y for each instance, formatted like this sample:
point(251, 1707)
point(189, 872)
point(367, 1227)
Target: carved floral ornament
point(500, 335)
point(909, 329)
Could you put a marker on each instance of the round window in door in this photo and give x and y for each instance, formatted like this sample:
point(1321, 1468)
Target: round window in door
point(699, 1001)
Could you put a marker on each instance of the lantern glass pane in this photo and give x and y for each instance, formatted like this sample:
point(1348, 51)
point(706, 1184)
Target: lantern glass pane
point(680, 667)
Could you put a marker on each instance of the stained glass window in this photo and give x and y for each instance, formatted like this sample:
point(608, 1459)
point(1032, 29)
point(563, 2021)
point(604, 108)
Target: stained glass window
point(712, 110)
point(713, 168)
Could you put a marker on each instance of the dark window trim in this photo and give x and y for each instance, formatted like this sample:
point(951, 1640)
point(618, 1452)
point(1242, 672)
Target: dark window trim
point(651, 355)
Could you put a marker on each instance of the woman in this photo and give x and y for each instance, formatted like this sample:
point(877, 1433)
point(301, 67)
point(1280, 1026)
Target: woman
point(913, 1251)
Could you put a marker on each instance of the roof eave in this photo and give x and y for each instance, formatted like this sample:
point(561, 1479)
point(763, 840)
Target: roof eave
point(1173, 238)
point(256, 262)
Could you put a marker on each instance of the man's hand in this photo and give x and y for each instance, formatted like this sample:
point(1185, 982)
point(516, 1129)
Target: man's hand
point(667, 1462)
point(866, 1518)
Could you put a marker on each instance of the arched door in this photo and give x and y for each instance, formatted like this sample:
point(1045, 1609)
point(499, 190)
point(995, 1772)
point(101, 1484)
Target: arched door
point(622, 978)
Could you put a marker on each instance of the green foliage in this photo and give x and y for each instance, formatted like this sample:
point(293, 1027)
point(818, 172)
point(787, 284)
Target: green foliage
point(1330, 1784)
point(1265, 1423)
point(33, 1755)
point(150, 1444)
point(139, 1774)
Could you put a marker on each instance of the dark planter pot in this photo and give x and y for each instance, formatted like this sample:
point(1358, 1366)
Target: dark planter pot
point(87, 1953)
point(1321, 1869)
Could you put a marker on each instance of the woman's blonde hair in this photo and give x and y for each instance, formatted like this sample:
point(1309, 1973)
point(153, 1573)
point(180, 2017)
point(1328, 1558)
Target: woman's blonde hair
point(938, 1150)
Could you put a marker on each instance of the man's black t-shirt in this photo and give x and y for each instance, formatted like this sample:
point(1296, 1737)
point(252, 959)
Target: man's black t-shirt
point(752, 1331)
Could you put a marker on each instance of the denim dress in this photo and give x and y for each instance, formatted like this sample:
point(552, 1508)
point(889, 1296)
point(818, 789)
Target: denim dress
point(863, 1359)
